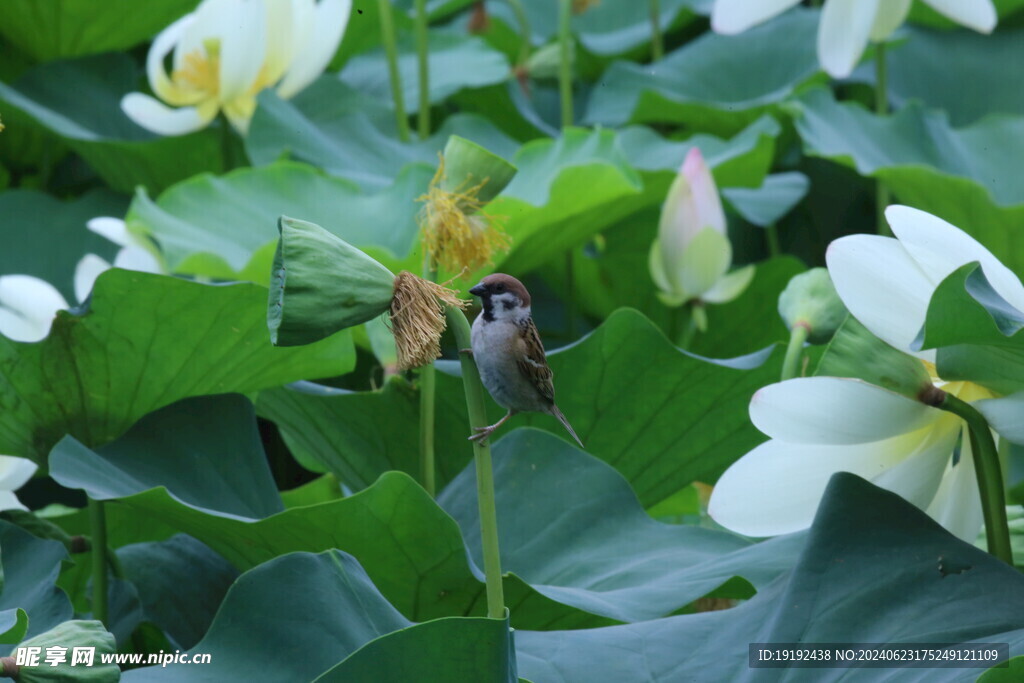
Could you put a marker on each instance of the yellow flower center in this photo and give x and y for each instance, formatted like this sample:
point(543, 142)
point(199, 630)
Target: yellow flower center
point(200, 69)
point(454, 234)
point(962, 389)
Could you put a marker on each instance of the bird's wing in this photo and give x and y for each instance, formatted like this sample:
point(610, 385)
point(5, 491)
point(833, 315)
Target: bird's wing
point(532, 362)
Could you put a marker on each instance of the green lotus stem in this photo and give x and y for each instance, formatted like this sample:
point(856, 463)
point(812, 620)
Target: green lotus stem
point(677, 318)
point(686, 337)
point(422, 61)
point(476, 407)
point(138, 642)
point(525, 37)
point(657, 46)
point(571, 305)
point(565, 68)
point(881, 108)
point(227, 144)
point(797, 337)
point(771, 234)
point(387, 36)
point(428, 378)
point(990, 478)
point(565, 91)
point(98, 524)
point(428, 390)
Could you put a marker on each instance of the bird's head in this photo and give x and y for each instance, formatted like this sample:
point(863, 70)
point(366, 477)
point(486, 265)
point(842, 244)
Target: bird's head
point(503, 297)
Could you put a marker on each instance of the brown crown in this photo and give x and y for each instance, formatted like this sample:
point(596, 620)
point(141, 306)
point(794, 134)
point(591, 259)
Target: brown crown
point(511, 284)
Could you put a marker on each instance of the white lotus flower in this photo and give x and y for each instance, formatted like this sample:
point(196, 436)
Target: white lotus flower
point(14, 473)
point(133, 255)
point(823, 425)
point(27, 307)
point(29, 304)
point(886, 282)
point(690, 258)
point(847, 25)
point(226, 52)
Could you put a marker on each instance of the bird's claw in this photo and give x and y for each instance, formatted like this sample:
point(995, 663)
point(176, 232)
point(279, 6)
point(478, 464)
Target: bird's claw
point(481, 434)
point(468, 352)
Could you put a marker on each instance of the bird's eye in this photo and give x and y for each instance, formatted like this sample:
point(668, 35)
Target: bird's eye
point(499, 288)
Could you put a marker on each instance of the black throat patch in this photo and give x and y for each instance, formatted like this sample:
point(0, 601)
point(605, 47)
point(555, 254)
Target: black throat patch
point(506, 302)
point(488, 305)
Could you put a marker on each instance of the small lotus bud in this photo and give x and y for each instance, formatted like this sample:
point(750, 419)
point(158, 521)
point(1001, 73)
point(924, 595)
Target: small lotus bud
point(545, 62)
point(455, 234)
point(810, 300)
point(691, 257)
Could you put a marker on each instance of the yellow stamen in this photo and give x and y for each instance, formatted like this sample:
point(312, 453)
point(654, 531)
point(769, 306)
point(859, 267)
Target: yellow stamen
point(965, 391)
point(454, 234)
point(199, 71)
point(418, 319)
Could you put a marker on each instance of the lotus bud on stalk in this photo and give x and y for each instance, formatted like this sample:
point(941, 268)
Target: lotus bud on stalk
point(455, 233)
point(810, 301)
point(226, 51)
point(546, 62)
point(320, 284)
point(812, 310)
point(690, 258)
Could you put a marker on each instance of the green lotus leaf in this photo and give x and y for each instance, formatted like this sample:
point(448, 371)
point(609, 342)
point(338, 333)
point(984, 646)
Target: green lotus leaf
point(669, 567)
point(145, 341)
point(867, 551)
point(753, 73)
point(79, 101)
point(966, 176)
point(348, 631)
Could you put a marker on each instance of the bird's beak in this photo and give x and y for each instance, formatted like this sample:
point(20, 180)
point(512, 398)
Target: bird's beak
point(479, 289)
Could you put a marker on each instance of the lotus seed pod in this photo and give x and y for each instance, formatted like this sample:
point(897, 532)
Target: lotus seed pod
point(454, 232)
point(68, 644)
point(320, 284)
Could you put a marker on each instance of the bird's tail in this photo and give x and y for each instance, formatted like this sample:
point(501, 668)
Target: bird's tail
point(565, 423)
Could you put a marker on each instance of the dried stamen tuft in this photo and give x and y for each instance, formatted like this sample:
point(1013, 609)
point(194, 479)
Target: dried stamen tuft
point(454, 234)
point(418, 319)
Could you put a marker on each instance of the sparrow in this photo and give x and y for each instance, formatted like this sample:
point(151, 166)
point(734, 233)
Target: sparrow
point(509, 354)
